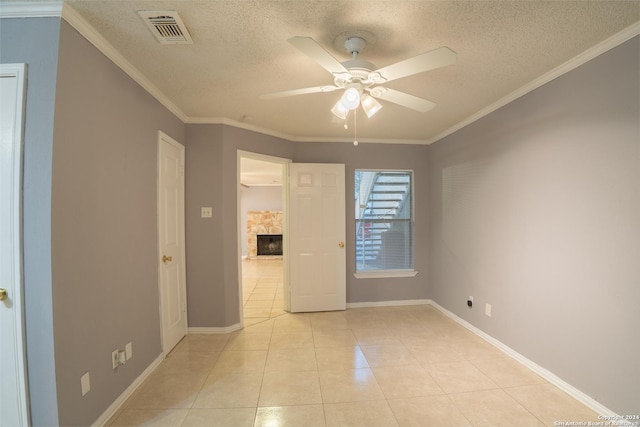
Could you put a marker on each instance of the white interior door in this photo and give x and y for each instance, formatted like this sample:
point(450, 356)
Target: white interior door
point(13, 389)
point(173, 291)
point(317, 236)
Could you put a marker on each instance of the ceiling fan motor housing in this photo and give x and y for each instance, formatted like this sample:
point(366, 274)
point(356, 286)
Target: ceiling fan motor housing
point(360, 72)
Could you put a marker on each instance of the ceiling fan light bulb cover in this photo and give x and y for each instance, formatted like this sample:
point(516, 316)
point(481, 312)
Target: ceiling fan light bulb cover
point(370, 105)
point(351, 99)
point(339, 110)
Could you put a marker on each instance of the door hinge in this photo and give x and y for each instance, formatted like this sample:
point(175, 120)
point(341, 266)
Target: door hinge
point(182, 170)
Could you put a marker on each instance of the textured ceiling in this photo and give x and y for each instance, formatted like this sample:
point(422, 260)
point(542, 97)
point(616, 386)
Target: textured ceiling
point(240, 51)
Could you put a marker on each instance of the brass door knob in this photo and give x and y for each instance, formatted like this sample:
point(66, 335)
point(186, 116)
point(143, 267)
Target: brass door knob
point(341, 244)
point(166, 259)
point(3, 294)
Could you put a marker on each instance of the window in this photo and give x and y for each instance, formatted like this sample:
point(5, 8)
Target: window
point(384, 223)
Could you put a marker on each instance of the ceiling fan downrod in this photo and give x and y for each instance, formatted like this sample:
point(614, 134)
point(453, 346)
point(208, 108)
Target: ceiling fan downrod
point(354, 46)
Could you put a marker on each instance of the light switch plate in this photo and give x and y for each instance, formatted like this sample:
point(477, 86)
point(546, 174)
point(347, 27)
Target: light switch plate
point(128, 350)
point(85, 383)
point(206, 212)
point(487, 310)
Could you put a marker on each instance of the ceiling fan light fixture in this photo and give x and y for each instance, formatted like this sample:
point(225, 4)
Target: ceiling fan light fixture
point(339, 110)
point(351, 98)
point(370, 105)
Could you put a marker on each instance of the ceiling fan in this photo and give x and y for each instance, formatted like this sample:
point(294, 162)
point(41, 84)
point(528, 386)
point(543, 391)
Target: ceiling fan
point(361, 80)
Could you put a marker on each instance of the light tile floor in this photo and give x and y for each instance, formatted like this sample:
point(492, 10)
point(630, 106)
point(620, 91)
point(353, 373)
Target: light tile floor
point(384, 366)
point(262, 295)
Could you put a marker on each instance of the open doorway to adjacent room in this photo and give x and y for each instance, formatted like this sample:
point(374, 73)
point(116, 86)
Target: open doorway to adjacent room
point(262, 207)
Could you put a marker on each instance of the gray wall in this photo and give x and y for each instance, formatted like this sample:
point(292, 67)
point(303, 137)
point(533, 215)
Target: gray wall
point(34, 41)
point(103, 226)
point(541, 205)
point(204, 247)
point(212, 253)
point(257, 198)
point(212, 243)
point(535, 209)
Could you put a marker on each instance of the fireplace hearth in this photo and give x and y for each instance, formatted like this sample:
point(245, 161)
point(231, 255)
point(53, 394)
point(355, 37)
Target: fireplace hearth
point(269, 244)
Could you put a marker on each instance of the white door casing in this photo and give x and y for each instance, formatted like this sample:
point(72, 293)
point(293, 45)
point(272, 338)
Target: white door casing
point(171, 242)
point(317, 237)
point(285, 222)
point(14, 409)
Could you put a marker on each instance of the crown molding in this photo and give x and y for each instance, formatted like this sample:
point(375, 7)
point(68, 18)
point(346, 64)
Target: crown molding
point(32, 9)
point(602, 47)
point(237, 124)
point(287, 137)
point(40, 9)
point(74, 19)
point(363, 140)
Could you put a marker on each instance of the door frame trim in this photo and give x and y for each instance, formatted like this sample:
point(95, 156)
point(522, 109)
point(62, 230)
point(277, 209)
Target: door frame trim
point(19, 72)
point(163, 137)
point(285, 223)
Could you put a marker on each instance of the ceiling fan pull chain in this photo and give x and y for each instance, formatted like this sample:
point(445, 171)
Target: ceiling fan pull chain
point(355, 127)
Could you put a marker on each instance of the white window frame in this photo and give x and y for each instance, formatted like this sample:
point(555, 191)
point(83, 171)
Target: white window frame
point(391, 273)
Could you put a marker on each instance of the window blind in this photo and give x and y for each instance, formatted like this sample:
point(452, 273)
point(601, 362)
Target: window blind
point(383, 219)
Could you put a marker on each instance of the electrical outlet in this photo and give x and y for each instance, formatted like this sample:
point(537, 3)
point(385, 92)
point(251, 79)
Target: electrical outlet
point(470, 302)
point(487, 310)
point(128, 350)
point(85, 383)
point(114, 358)
point(118, 357)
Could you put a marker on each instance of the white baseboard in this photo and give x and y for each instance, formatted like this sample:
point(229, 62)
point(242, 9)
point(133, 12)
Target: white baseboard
point(388, 303)
point(214, 330)
point(544, 373)
point(113, 408)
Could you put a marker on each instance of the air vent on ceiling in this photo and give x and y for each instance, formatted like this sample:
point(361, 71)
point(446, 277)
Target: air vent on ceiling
point(166, 26)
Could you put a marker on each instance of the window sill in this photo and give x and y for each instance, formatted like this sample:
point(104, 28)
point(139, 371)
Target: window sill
point(384, 274)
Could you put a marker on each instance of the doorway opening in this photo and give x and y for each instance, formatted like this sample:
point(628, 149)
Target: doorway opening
point(262, 237)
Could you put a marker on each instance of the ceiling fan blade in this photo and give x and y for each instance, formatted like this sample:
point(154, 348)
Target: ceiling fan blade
point(303, 91)
point(437, 58)
point(313, 50)
point(403, 99)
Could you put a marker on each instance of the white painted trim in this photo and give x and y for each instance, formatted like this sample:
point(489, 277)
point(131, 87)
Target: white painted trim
point(582, 58)
point(388, 303)
point(385, 274)
point(163, 138)
point(32, 9)
point(264, 157)
point(544, 373)
point(285, 225)
point(362, 140)
point(87, 31)
point(214, 330)
point(113, 408)
point(239, 235)
point(74, 19)
point(265, 131)
point(14, 203)
point(238, 124)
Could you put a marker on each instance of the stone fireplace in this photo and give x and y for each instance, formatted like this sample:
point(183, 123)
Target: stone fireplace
point(267, 224)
